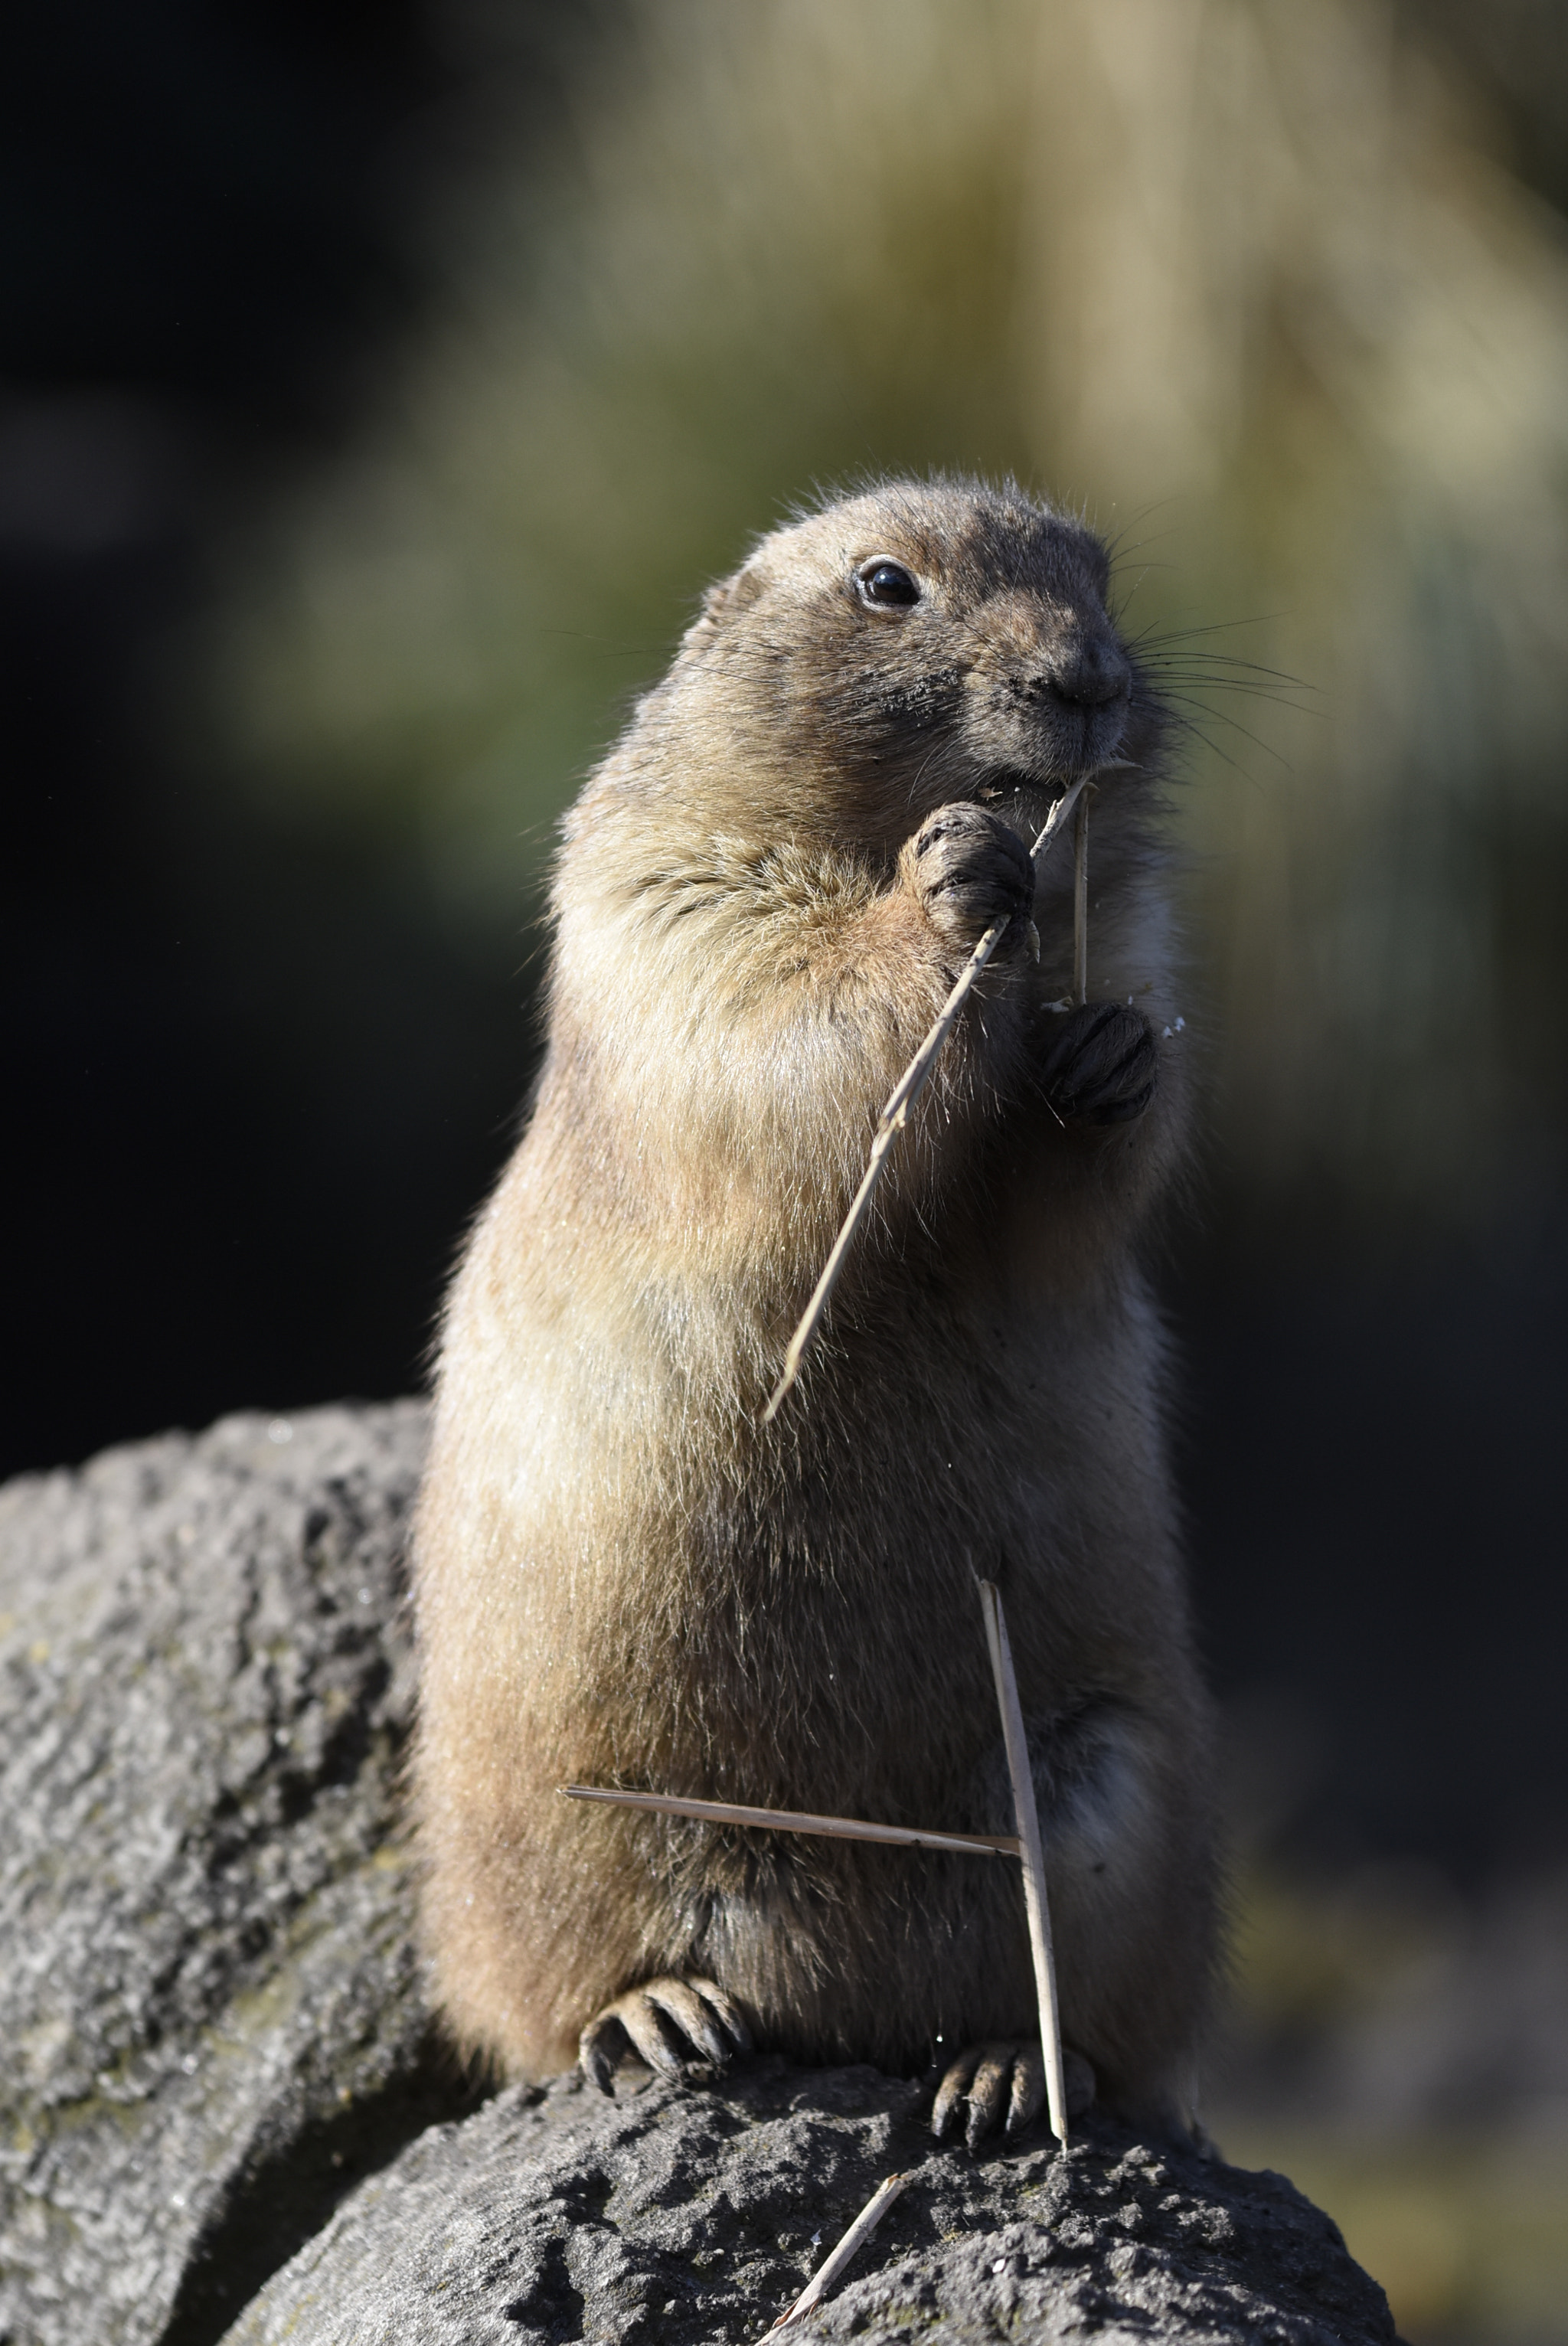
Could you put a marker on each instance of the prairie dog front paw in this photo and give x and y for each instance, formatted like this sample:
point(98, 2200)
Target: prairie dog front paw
point(969, 869)
point(1101, 1066)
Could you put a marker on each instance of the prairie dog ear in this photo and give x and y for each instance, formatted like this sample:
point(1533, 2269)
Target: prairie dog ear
point(723, 602)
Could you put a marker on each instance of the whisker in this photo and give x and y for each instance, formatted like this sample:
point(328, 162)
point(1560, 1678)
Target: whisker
point(1187, 724)
point(1216, 627)
point(1218, 665)
point(1193, 687)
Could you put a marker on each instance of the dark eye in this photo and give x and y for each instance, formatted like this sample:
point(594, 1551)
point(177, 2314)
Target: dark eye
point(887, 583)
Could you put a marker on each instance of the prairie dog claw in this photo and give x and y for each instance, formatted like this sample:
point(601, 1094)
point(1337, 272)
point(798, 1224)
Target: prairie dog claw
point(1003, 2083)
point(670, 2024)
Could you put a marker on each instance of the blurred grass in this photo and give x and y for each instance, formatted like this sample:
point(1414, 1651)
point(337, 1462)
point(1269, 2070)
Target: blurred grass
point(1240, 278)
point(1450, 2186)
point(1468, 2234)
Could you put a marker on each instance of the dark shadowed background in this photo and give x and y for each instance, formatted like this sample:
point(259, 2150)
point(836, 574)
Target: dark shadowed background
point(380, 384)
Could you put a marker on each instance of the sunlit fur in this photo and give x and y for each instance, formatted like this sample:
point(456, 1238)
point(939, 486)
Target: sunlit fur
point(622, 1577)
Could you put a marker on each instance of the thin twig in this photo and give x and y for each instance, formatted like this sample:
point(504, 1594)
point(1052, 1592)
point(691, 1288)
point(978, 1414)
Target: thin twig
point(727, 1812)
point(1028, 1821)
point(904, 1094)
point(1080, 900)
point(854, 2240)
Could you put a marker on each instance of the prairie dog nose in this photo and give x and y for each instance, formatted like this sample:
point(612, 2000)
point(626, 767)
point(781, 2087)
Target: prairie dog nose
point(1085, 671)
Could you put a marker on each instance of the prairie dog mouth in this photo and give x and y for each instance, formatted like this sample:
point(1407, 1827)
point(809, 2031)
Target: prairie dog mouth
point(1024, 799)
point(1004, 783)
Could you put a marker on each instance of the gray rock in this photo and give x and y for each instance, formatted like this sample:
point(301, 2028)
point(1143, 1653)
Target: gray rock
point(217, 2057)
point(697, 2216)
point(209, 2008)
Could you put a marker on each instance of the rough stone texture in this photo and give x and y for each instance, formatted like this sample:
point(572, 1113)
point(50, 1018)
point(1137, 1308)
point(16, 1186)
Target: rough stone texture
point(686, 2217)
point(209, 2012)
point(213, 2037)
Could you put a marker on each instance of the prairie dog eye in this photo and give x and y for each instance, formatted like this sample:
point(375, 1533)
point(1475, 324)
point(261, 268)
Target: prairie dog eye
point(887, 583)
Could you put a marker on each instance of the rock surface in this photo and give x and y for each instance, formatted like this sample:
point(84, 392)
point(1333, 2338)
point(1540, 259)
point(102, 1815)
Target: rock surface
point(209, 2007)
point(686, 2217)
point(216, 2058)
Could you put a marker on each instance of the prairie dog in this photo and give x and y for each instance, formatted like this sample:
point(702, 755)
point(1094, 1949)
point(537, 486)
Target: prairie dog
point(761, 899)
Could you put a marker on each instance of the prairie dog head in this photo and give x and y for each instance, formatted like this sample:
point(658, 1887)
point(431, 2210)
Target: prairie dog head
point(903, 648)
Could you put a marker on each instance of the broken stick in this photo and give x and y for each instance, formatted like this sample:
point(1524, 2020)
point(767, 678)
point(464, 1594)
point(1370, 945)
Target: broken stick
point(854, 2240)
point(1027, 1816)
point(902, 1097)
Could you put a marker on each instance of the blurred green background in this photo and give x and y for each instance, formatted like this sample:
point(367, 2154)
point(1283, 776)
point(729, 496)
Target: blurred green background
point(382, 389)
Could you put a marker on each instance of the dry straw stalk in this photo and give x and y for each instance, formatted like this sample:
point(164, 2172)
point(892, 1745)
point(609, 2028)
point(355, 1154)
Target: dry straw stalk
point(1081, 901)
point(729, 1812)
point(854, 2240)
point(1028, 1821)
point(910, 1085)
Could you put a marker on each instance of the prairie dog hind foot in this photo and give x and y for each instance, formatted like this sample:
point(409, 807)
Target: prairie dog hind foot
point(1003, 2083)
point(673, 2025)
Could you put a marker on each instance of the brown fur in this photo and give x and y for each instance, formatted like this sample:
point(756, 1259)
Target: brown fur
point(622, 1577)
